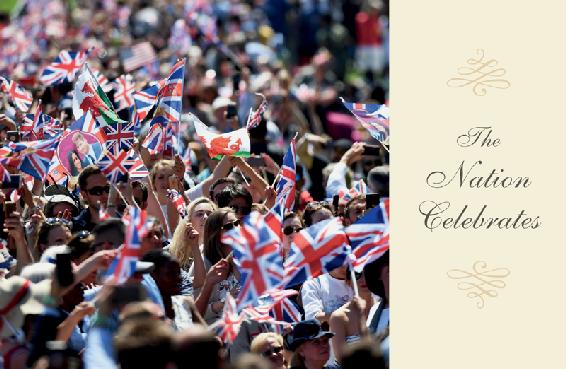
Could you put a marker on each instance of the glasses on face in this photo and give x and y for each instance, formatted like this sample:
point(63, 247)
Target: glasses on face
point(271, 351)
point(82, 235)
point(231, 225)
point(59, 221)
point(289, 230)
point(98, 190)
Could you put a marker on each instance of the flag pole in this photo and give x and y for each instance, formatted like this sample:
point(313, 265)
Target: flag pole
point(352, 273)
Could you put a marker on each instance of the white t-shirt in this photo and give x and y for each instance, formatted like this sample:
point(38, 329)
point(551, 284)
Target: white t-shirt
point(324, 294)
point(195, 191)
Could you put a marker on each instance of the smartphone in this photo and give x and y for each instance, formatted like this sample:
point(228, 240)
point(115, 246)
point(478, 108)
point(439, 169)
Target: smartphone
point(372, 150)
point(9, 209)
point(64, 269)
point(236, 82)
point(256, 161)
point(13, 136)
point(372, 200)
point(14, 182)
point(231, 112)
point(126, 293)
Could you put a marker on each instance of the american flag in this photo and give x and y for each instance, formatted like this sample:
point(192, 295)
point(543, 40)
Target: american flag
point(124, 265)
point(119, 137)
point(358, 188)
point(31, 157)
point(63, 68)
point(123, 92)
point(19, 96)
point(256, 253)
point(286, 187)
point(179, 201)
point(254, 118)
point(228, 326)
point(125, 163)
point(374, 118)
point(369, 236)
point(137, 56)
point(317, 249)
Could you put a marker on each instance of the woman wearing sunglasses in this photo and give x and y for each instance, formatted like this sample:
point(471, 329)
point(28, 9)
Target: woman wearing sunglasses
point(219, 221)
point(270, 346)
point(292, 224)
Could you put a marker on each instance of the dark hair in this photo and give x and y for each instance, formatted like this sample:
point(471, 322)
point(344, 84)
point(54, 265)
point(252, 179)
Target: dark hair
point(144, 343)
point(378, 180)
point(313, 207)
point(372, 273)
point(353, 201)
point(290, 215)
point(212, 235)
point(87, 172)
point(109, 225)
point(143, 187)
point(159, 258)
point(363, 354)
point(80, 244)
point(220, 181)
point(74, 169)
point(231, 192)
point(43, 234)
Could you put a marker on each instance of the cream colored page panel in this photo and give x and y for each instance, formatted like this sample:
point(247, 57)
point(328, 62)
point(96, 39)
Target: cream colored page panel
point(516, 319)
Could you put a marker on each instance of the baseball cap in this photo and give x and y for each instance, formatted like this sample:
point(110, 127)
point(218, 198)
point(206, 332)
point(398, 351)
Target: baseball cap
point(305, 331)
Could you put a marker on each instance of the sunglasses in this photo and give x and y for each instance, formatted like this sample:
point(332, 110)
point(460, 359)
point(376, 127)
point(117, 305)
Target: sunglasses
point(58, 221)
point(290, 230)
point(81, 235)
point(98, 190)
point(231, 225)
point(271, 351)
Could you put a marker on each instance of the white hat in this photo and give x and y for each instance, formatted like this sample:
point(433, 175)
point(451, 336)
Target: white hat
point(220, 102)
point(18, 298)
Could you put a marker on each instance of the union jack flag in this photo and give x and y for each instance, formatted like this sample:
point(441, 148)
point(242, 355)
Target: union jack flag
point(154, 142)
point(31, 157)
point(119, 136)
point(286, 187)
point(228, 326)
point(4, 175)
point(254, 118)
point(146, 99)
point(179, 201)
point(124, 264)
point(19, 96)
point(116, 167)
point(124, 89)
point(369, 236)
point(374, 118)
point(358, 188)
point(317, 249)
point(256, 253)
point(63, 68)
point(282, 308)
point(102, 80)
point(40, 126)
point(87, 123)
point(169, 107)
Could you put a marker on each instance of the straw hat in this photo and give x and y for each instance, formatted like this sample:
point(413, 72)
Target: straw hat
point(18, 298)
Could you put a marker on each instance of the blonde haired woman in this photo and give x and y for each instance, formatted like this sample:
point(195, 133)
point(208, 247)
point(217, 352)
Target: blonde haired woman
point(270, 346)
point(162, 177)
point(186, 245)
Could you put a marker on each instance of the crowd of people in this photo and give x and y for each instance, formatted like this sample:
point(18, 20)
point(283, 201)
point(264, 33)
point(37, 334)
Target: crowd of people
point(60, 237)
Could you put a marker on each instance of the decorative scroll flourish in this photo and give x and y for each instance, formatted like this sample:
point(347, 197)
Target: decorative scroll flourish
point(481, 282)
point(480, 74)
